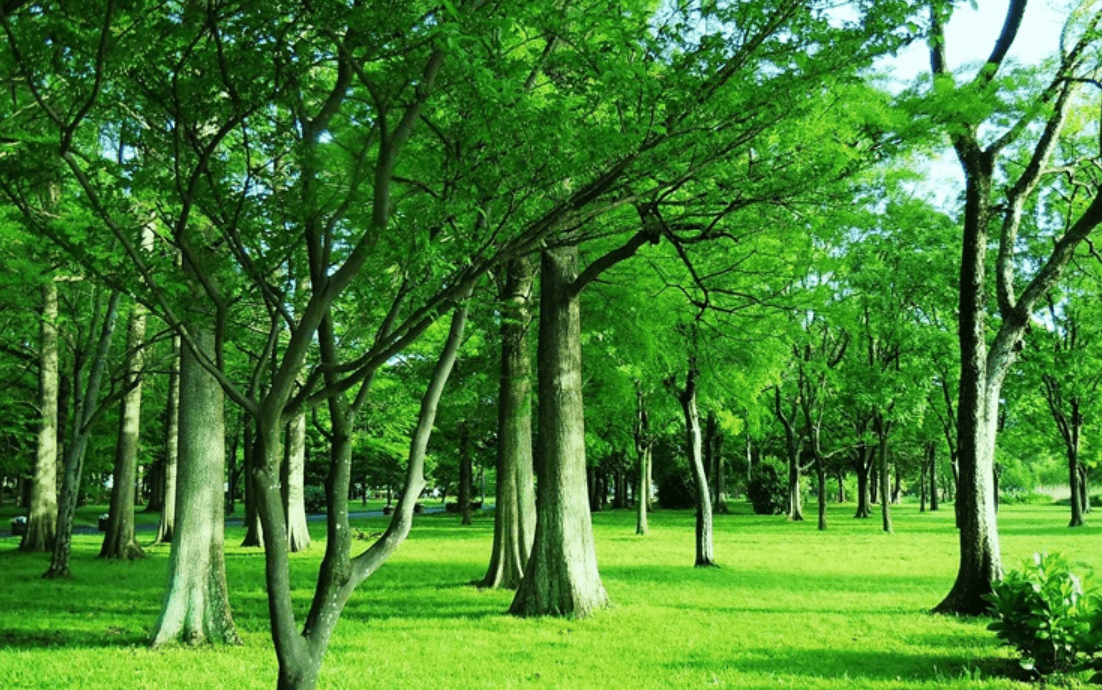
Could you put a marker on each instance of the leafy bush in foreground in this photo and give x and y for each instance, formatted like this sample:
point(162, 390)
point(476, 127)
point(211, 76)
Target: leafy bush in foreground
point(1044, 612)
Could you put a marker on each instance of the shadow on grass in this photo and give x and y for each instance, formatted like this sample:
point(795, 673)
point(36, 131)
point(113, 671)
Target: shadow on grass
point(869, 665)
point(108, 637)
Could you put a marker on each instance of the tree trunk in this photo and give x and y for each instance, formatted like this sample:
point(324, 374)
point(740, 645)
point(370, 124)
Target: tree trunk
point(119, 541)
point(884, 475)
point(254, 533)
point(705, 551)
point(1074, 474)
point(562, 578)
point(466, 474)
point(42, 517)
point(293, 484)
point(83, 415)
point(820, 472)
point(864, 492)
point(643, 446)
point(841, 475)
point(933, 479)
point(172, 447)
point(715, 455)
point(196, 607)
point(977, 415)
point(515, 498)
point(1084, 489)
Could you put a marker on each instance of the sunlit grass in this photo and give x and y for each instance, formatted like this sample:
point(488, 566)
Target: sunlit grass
point(790, 607)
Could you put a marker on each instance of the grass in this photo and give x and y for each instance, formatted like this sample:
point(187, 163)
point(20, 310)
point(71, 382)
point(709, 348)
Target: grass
point(790, 608)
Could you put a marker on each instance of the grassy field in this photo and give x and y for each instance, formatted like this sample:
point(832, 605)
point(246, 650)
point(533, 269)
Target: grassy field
point(790, 608)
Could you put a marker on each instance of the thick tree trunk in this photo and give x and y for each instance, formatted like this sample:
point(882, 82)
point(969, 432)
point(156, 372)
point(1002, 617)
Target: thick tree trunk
point(293, 481)
point(977, 414)
point(515, 498)
point(196, 607)
point(172, 448)
point(562, 578)
point(42, 517)
point(705, 551)
point(119, 541)
point(83, 415)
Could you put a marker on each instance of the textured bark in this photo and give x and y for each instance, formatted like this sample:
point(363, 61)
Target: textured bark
point(172, 446)
point(862, 468)
point(562, 578)
point(83, 416)
point(293, 484)
point(42, 517)
point(196, 607)
point(119, 541)
point(515, 498)
point(644, 444)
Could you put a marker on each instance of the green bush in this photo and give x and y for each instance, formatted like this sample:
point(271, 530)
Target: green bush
point(314, 499)
point(767, 492)
point(676, 492)
point(1044, 612)
point(1029, 498)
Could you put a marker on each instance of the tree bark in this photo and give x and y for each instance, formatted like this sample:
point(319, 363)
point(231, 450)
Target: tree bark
point(884, 474)
point(293, 481)
point(196, 607)
point(42, 516)
point(172, 448)
point(862, 467)
point(714, 446)
point(119, 541)
point(515, 498)
point(562, 578)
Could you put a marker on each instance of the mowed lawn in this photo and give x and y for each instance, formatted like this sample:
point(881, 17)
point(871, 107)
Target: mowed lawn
point(791, 607)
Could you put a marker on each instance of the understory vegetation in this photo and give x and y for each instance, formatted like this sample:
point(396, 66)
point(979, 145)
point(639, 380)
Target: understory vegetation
point(790, 607)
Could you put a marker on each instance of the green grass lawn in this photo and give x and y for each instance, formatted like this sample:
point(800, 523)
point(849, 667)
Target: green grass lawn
point(790, 608)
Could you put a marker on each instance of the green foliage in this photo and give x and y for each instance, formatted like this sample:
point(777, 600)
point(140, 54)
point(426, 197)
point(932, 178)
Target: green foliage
point(314, 499)
point(767, 490)
point(676, 492)
point(1044, 613)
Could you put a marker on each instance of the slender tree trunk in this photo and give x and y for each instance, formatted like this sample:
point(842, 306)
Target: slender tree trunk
point(643, 446)
point(864, 491)
point(715, 453)
point(119, 541)
point(934, 497)
point(841, 475)
point(84, 415)
point(254, 533)
point(293, 484)
point(515, 498)
point(884, 477)
point(172, 448)
point(196, 607)
point(705, 551)
point(1084, 489)
point(562, 578)
point(1074, 474)
point(820, 472)
point(466, 474)
point(42, 517)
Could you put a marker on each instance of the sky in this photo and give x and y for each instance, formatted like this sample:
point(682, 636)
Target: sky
point(969, 38)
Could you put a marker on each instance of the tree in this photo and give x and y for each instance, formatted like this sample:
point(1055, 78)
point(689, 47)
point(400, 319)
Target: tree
point(984, 366)
point(42, 517)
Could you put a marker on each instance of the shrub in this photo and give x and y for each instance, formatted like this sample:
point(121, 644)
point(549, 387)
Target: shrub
point(1029, 498)
point(314, 499)
point(767, 492)
point(1044, 613)
point(676, 492)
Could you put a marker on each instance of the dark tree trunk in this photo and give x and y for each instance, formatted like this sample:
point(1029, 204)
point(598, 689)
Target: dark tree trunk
point(562, 578)
point(466, 473)
point(862, 467)
point(841, 475)
point(820, 473)
point(515, 505)
point(254, 533)
point(933, 478)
